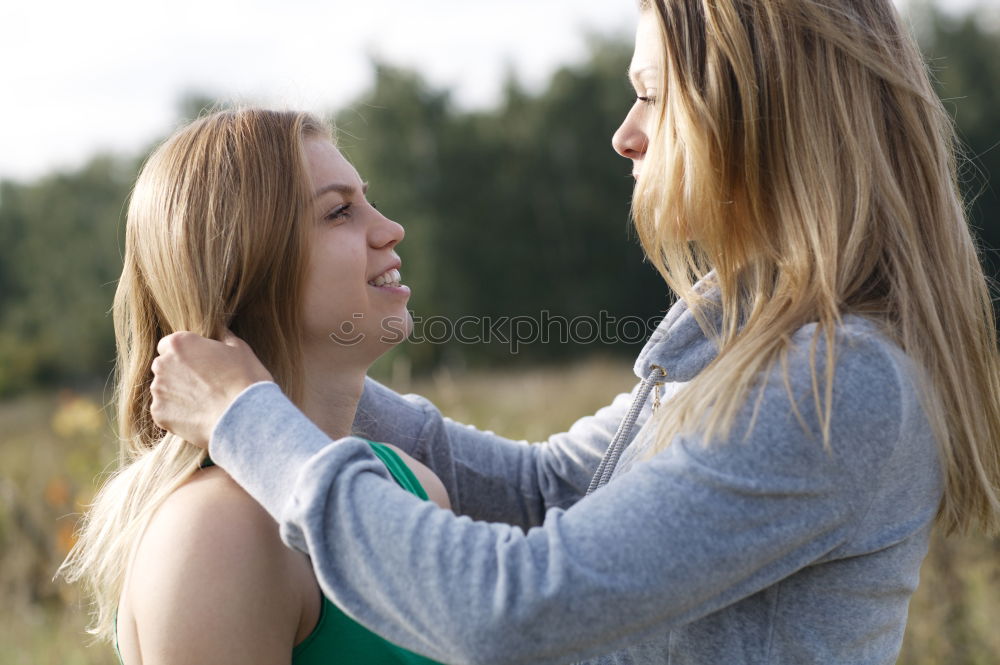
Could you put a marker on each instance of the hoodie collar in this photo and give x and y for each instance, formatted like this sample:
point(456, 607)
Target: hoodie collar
point(678, 345)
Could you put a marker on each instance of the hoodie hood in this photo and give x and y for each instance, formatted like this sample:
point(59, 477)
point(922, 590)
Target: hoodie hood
point(678, 345)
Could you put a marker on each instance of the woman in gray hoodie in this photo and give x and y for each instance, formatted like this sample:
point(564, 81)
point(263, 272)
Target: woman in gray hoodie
point(825, 391)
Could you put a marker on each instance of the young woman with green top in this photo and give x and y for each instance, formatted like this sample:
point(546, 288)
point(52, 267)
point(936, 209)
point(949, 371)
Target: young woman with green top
point(254, 221)
point(831, 364)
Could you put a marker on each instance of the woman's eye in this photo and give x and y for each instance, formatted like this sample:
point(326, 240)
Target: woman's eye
point(339, 212)
point(649, 99)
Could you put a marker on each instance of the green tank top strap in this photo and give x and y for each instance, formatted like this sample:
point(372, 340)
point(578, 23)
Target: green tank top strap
point(403, 475)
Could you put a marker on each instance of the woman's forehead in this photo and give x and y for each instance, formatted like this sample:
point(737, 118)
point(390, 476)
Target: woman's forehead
point(645, 65)
point(328, 168)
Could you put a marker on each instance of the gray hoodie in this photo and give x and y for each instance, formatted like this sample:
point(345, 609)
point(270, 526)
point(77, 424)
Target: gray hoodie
point(762, 549)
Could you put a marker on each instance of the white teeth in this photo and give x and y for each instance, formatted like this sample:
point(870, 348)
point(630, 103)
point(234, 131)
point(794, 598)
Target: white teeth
point(390, 277)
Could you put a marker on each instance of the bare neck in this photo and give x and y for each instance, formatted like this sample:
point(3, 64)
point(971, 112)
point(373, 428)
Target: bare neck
point(330, 397)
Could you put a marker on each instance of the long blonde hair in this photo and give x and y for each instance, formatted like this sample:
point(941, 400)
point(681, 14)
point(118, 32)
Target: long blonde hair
point(802, 148)
point(214, 239)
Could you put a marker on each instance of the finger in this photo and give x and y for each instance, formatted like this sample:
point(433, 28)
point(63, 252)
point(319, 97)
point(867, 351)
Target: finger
point(154, 410)
point(171, 341)
point(230, 339)
point(163, 345)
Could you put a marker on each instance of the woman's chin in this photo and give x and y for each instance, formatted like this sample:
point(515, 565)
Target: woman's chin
point(392, 331)
point(395, 328)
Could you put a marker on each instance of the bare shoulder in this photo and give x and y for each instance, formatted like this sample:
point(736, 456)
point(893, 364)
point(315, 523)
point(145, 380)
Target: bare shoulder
point(211, 580)
point(428, 479)
point(206, 520)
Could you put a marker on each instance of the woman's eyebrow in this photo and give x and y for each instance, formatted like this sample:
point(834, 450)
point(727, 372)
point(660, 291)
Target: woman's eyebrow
point(342, 189)
point(635, 76)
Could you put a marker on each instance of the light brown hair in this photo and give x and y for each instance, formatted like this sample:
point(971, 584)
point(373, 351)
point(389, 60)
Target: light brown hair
point(215, 238)
point(802, 148)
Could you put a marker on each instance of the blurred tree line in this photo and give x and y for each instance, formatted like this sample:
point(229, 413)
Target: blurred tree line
point(514, 211)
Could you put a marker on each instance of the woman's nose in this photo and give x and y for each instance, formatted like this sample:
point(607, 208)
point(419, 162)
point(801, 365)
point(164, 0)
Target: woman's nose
point(630, 141)
point(386, 233)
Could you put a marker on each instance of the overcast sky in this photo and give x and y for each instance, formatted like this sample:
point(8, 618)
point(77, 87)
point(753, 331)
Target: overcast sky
point(81, 77)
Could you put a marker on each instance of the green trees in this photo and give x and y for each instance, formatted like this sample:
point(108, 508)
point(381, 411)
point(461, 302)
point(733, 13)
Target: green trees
point(964, 56)
point(516, 211)
point(59, 259)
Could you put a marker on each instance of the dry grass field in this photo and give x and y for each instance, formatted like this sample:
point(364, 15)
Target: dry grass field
point(54, 447)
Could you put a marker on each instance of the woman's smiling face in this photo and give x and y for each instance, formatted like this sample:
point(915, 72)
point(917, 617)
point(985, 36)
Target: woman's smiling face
point(353, 301)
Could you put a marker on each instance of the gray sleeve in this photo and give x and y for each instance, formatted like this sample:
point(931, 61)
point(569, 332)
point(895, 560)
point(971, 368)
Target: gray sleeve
point(692, 530)
point(489, 477)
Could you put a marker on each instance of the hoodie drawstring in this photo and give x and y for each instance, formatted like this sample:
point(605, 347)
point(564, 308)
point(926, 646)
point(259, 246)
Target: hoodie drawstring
point(655, 379)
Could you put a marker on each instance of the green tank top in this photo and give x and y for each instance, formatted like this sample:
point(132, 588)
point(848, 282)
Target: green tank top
point(339, 639)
